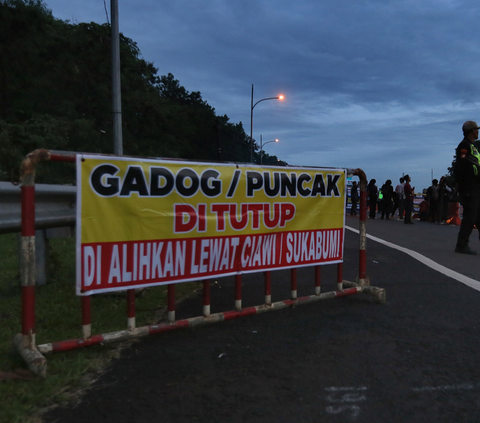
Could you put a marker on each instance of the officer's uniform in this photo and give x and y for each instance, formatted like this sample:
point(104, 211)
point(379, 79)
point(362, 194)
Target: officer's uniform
point(467, 175)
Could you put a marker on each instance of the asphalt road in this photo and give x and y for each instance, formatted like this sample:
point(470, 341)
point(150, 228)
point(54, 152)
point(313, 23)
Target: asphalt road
point(413, 359)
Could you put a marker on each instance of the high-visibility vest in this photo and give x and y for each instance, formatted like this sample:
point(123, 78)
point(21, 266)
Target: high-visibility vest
point(476, 155)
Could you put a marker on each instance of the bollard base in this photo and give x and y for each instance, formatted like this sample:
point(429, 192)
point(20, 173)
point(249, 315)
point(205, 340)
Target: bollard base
point(379, 294)
point(36, 362)
point(363, 282)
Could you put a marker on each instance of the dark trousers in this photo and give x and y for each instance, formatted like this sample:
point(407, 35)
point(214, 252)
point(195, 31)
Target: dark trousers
point(401, 207)
point(373, 207)
point(398, 204)
point(353, 210)
point(471, 216)
point(408, 210)
point(387, 207)
point(433, 211)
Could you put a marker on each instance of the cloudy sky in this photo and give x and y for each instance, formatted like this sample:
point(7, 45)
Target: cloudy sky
point(381, 85)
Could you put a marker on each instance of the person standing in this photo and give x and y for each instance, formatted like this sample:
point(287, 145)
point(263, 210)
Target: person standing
point(433, 199)
point(409, 194)
point(354, 198)
point(445, 195)
point(400, 198)
point(372, 197)
point(467, 176)
point(387, 191)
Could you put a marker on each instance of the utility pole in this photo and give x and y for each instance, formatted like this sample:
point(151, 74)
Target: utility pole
point(116, 88)
point(251, 127)
point(216, 124)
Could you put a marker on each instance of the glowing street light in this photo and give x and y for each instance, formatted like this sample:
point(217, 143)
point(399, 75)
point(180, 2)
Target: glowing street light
point(252, 106)
point(263, 144)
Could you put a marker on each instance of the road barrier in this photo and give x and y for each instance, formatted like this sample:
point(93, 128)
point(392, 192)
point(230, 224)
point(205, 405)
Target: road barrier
point(54, 218)
point(33, 354)
point(54, 207)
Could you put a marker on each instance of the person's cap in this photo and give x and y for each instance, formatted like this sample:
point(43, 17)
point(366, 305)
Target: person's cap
point(469, 125)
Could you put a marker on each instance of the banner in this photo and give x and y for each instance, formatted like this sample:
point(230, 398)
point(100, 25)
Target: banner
point(144, 222)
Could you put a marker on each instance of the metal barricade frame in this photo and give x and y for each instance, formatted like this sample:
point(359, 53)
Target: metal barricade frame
point(25, 341)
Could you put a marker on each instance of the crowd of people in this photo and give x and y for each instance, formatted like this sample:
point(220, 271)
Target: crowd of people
point(397, 203)
point(434, 207)
point(388, 200)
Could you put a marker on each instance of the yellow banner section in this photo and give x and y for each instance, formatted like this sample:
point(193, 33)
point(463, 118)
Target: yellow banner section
point(126, 199)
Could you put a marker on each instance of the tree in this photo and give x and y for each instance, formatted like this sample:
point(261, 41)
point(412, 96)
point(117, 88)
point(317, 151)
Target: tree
point(57, 95)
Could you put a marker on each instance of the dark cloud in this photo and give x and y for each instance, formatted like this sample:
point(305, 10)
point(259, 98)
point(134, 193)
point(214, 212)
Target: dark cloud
point(377, 84)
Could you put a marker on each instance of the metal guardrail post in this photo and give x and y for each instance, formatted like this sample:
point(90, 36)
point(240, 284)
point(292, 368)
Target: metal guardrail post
point(362, 280)
point(25, 342)
point(362, 265)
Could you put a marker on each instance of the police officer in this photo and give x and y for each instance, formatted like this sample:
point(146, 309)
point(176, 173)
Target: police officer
point(467, 176)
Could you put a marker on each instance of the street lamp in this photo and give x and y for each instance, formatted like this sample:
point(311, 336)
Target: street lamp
point(252, 106)
point(261, 147)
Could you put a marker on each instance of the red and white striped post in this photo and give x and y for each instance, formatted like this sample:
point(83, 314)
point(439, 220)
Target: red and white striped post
point(293, 277)
point(340, 276)
point(171, 303)
point(268, 287)
point(238, 292)
point(25, 342)
point(206, 298)
point(130, 309)
point(362, 266)
point(318, 280)
point(28, 245)
point(86, 317)
point(28, 260)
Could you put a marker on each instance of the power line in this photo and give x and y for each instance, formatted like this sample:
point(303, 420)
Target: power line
point(106, 11)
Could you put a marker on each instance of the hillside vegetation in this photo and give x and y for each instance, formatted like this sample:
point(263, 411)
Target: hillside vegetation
point(55, 93)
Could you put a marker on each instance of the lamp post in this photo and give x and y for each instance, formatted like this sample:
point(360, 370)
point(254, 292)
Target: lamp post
point(263, 144)
point(252, 106)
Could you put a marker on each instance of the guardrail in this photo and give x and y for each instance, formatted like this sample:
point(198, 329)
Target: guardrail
point(54, 218)
point(54, 206)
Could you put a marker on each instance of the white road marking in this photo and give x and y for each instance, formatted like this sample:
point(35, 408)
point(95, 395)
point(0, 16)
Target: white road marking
point(353, 409)
point(464, 387)
point(472, 283)
point(345, 388)
point(347, 398)
point(345, 394)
